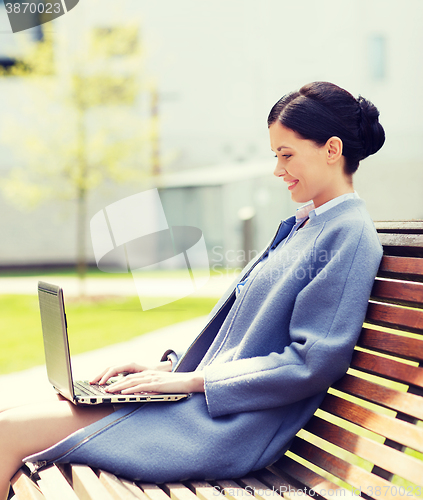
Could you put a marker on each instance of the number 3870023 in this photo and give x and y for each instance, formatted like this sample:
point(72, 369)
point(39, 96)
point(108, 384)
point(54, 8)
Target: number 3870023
point(40, 8)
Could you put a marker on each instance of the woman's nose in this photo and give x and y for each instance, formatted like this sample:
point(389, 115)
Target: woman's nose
point(279, 171)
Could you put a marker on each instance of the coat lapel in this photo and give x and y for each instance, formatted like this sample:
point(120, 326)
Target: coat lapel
point(201, 344)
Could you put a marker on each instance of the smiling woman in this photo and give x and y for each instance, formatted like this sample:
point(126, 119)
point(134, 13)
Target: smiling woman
point(321, 110)
point(319, 135)
point(311, 172)
point(278, 338)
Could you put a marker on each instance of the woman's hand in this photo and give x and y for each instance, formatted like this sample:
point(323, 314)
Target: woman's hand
point(112, 371)
point(159, 381)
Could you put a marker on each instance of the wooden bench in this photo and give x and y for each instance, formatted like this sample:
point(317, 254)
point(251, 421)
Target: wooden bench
point(367, 436)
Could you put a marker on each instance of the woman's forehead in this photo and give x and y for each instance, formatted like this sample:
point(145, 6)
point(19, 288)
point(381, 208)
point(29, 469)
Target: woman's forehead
point(282, 137)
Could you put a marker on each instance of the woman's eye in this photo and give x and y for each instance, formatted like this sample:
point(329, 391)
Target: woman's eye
point(284, 156)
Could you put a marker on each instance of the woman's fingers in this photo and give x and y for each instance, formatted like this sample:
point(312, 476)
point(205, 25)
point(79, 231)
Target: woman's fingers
point(128, 382)
point(158, 381)
point(97, 378)
point(112, 371)
point(141, 379)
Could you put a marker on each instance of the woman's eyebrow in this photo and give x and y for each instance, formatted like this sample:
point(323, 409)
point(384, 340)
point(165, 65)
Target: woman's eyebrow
point(280, 147)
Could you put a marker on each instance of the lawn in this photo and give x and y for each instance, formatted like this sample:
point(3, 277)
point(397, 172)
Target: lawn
point(92, 324)
point(93, 272)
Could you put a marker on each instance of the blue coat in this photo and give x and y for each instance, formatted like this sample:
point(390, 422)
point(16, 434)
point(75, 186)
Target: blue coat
point(277, 348)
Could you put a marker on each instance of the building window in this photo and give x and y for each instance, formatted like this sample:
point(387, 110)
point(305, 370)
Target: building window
point(377, 57)
point(115, 41)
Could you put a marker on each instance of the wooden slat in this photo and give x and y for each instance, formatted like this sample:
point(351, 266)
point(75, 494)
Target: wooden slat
point(359, 478)
point(398, 291)
point(257, 488)
point(47, 495)
point(401, 240)
point(288, 477)
point(137, 492)
point(401, 432)
point(232, 490)
point(87, 485)
point(24, 488)
point(54, 484)
point(387, 458)
point(115, 487)
point(399, 226)
point(153, 492)
point(399, 318)
point(177, 491)
point(294, 472)
point(204, 490)
point(390, 343)
point(379, 394)
point(388, 368)
point(401, 265)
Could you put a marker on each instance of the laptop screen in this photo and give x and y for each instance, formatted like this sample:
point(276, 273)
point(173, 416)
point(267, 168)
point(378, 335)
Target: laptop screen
point(56, 347)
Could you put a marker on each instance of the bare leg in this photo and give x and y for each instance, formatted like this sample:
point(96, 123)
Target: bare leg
point(48, 397)
point(28, 429)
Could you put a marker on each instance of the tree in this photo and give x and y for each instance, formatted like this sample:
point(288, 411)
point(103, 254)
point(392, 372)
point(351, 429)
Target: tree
point(81, 120)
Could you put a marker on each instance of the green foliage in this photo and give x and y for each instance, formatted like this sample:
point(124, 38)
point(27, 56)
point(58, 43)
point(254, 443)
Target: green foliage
point(103, 89)
point(38, 60)
point(115, 41)
point(92, 324)
point(77, 124)
point(80, 121)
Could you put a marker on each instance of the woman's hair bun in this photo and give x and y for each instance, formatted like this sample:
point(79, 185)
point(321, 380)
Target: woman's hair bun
point(320, 110)
point(371, 131)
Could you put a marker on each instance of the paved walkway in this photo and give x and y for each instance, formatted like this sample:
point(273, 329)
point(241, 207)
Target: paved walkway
point(115, 286)
point(32, 385)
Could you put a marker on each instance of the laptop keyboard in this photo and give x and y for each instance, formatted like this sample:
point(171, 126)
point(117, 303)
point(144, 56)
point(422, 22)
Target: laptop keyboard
point(84, 388)
point(92, 389)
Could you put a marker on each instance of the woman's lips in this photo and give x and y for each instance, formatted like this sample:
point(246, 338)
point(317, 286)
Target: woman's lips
point(292, 184)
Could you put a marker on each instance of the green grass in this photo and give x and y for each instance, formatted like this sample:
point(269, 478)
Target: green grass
point(92, 324)
point(96, 273)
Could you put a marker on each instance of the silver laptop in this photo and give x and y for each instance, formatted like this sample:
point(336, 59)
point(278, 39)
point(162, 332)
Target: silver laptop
point(58, 361)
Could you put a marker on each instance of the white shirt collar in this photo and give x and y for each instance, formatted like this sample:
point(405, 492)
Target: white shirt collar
point(308, 209)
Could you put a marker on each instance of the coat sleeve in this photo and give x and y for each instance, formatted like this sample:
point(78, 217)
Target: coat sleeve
point(172, 356)
point(325, 324)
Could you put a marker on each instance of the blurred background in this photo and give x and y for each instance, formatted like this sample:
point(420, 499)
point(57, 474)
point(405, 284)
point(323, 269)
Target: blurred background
point(114, 98)
point(133, 94)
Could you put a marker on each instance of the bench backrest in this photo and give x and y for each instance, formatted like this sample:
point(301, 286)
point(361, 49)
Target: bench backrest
point(368, 433)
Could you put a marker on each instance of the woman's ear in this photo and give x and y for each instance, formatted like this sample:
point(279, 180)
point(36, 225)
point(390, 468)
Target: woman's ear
point(333, 149)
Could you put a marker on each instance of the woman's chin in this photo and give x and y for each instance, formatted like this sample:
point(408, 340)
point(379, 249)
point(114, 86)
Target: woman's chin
point(298, 198)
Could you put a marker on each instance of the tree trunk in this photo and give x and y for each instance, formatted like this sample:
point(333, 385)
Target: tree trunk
point(81, 199)
point(81, 264)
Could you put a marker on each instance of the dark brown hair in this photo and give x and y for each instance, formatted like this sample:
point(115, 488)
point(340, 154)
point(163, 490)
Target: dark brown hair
point(320, 110)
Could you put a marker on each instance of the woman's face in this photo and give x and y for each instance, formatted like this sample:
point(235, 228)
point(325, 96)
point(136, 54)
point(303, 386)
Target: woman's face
point(305, 166)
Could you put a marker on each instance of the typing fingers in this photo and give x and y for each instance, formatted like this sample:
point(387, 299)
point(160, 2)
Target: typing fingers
point(159, 381)
point(112, 371)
